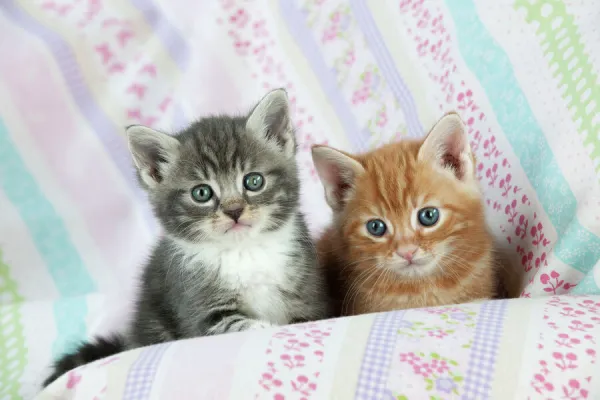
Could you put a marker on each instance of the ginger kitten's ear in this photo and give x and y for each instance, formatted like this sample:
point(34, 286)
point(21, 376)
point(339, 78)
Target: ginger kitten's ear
point(270, 119)
point(153, 153)
point(447, 145)
point(338, 172)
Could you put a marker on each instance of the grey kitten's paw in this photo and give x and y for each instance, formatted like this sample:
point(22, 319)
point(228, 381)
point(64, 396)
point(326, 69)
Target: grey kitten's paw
point(260, 324)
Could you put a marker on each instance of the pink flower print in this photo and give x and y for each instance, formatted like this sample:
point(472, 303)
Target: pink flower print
point(73, 379)
point(544, 367)
point(573, 391)
point(577, 325)
point(422, 370)
point(350, 57)
point(361, 95)
point(292, 362)
point(565, 341)
point(295, 345)
point(540, 384)
point(329, 34)
point(541, 261)
point(589, 338)
point(565, 362)
point(381, 119)
point(340, 19)
point(571, 312)
point(440, 334)
point(591, 353)
point(521, 230)
point(553, 283)
point(527, 261)
point(408, 357)
point(538, 235)
point(590, 305)
point(303, 385)
point(510, 210)
point(440, 367)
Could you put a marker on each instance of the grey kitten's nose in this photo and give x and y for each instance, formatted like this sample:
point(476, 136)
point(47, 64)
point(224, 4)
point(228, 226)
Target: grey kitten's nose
point(234, 213)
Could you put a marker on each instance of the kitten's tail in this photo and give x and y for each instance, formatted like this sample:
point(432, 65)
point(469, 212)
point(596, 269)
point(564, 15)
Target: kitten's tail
point(86, 353)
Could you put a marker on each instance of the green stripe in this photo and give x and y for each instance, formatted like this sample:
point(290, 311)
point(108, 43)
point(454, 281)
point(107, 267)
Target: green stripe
point(13, 352)
point(558, 34)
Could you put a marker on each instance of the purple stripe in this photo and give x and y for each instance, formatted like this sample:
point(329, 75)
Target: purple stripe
point(106, 131)
point(388, 68)
point(180, 121)
point(140, 378)
point(488, 331)
point(304, 38)
point(378, 356)
point(170, 36)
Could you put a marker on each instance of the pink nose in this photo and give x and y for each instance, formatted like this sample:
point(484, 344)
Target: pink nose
point(407, 252)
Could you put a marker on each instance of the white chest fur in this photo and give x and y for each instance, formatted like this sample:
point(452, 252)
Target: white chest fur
point(256, 268)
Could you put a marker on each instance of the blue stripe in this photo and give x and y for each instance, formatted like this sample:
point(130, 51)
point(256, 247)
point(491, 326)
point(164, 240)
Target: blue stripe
point(576, 246)
point(51, 240)
point(388, 68)
point(304, 38)
point(587, 285)
point(102, 126)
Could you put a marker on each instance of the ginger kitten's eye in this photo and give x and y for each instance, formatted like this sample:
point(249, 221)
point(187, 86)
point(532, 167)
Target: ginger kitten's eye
point(376, 227)
point(202, 193)
point(254, 181)
point(428, 216)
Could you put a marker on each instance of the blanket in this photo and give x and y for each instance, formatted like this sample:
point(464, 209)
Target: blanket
point(543, 348)
point(75, 228)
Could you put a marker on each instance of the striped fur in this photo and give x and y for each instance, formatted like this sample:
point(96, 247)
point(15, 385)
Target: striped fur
point(454, 260)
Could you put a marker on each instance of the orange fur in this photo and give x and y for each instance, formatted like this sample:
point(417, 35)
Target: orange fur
point(391, 183)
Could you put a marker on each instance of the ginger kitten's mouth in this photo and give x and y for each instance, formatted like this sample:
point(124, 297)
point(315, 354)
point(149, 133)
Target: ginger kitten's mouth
point(415, 267)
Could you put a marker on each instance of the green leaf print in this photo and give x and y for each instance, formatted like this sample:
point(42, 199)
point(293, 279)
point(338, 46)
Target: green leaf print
point(13, 353)
point(435, 355)
point(401, 397)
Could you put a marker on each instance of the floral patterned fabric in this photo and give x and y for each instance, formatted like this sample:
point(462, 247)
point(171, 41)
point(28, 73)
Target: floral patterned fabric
point(75, 228)
point(504, 349)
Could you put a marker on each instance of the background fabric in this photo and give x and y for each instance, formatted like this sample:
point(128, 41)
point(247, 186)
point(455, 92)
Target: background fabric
point(75, 229)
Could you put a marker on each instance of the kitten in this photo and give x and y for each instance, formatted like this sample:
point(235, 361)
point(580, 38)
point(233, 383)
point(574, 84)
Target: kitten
point(236, 253)
point(409, 227)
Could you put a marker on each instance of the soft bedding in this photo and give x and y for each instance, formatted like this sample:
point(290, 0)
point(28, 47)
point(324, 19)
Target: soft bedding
point(517, 349)
point(74, 228)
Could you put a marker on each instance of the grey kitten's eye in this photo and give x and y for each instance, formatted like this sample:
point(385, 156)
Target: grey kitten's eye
point(254, 181)
point(428, 216)
point(376, 227)
point(202, 193)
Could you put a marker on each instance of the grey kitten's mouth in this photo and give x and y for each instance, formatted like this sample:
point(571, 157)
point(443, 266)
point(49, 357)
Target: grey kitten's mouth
point(238, 226)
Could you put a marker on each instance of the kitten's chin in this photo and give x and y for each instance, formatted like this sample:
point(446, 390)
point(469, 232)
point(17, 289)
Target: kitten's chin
point(414, 270)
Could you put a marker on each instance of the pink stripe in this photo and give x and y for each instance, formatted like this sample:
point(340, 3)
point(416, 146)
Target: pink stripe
point(69, 150)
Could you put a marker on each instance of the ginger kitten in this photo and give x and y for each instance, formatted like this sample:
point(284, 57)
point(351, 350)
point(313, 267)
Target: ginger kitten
point(408, 228)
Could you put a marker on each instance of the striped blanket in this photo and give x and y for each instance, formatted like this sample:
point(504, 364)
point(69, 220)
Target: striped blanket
point(74, 227)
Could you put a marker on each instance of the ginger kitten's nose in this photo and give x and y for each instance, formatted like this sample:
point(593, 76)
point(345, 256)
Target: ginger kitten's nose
point(234, 213)
point(407, 252)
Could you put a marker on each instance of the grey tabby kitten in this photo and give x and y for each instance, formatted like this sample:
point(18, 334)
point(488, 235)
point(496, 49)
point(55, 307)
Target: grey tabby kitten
point(236, 253)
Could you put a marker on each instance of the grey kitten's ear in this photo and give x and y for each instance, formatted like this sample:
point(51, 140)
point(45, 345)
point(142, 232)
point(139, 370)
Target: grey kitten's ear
point(338, 172)
point(153, 152)
point(270, 119)
point(447, 145)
